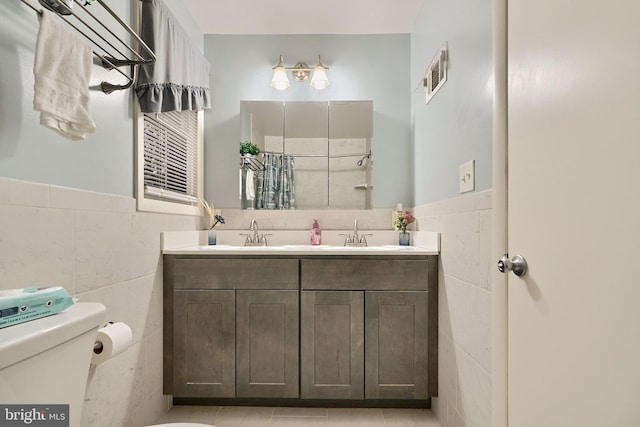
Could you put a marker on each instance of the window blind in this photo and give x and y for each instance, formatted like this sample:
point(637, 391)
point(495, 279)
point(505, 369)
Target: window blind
point(171, 156)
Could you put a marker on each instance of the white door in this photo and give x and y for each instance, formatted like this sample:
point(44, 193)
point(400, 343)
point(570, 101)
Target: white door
point(574, 213)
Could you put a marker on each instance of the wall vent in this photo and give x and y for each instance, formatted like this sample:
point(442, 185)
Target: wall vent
point(436, 74)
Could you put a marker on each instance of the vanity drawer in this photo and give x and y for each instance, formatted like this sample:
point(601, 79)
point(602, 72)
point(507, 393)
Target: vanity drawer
point(365, 274)
point(225, 273)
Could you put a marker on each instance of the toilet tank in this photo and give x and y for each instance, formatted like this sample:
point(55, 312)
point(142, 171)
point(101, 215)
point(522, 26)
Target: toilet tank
point(46, 361)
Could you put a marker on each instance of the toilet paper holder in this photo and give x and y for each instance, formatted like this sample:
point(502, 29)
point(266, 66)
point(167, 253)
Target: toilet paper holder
point(111, 339)
point(98, 346)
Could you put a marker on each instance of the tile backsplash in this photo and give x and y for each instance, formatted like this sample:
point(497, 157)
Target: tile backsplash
point(329, 219)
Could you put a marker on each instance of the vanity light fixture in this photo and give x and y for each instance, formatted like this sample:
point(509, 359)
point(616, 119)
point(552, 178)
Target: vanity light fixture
point(300, 72)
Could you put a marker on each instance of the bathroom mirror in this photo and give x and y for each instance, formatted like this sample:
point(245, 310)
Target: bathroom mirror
point(313, 155)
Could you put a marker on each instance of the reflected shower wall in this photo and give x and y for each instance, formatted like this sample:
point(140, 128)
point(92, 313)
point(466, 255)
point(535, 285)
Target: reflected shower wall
point(331, 145)
point(349, 175)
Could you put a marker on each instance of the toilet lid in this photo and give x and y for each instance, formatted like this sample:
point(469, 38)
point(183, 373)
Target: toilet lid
point(182, 425)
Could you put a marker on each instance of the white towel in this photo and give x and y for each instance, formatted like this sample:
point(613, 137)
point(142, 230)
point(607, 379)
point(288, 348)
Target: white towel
point(62, 69)
point(250, 187)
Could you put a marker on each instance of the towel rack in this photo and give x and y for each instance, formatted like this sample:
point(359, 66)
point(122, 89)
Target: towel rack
point(332, 156)
point(251, 163)
point(110, 48)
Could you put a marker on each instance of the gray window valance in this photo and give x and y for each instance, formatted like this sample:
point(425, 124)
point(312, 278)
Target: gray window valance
point(179, 78)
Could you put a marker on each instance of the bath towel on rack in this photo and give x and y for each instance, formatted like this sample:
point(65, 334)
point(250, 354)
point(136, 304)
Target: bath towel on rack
point(62, 70)
point(250, 186)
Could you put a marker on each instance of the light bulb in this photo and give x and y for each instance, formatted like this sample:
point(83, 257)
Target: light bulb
point(319, 81)
point(280, 81)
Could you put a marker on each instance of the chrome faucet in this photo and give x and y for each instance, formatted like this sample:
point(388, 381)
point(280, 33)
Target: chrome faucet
point(254, 227)
point(356, 239)
point(254, 238)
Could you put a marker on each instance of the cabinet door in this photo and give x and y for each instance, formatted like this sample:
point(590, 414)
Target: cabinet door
point(396, 356)
point(332, 347)
point(267, 346)
point(204, 344)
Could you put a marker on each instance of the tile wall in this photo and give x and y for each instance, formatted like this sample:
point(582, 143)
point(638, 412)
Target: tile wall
point(100, 249)
point(329, 219)
point(464, 292)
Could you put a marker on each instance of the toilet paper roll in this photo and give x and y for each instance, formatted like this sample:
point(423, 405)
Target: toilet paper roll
point(111, 340)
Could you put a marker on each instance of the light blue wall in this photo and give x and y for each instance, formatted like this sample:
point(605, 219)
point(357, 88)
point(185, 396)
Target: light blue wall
point(362, 67)
point(455, 126)
point(103, 162)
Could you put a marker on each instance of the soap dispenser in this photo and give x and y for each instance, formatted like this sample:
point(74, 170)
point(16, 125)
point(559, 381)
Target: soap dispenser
point(316, 233)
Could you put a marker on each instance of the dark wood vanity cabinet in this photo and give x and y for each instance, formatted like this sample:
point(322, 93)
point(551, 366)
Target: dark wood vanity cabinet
point(366, 329)
point(311, 327)
point(230, 327)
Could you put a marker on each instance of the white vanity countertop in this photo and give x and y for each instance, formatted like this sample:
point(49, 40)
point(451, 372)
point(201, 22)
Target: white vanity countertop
point(282, 242)
point(301, 250)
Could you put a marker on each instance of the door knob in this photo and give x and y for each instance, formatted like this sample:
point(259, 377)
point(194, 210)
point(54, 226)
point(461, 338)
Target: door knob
point(517, 264)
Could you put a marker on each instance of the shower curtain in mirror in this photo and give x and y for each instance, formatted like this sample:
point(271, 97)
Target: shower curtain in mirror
point(275, 186)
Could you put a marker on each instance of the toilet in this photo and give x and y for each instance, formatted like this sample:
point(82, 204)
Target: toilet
point(38, 356)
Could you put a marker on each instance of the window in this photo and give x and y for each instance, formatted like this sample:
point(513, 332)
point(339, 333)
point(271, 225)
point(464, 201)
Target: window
point(169, 151)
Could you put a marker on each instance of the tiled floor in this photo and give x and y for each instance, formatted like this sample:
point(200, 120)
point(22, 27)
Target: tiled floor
point(244, 416)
